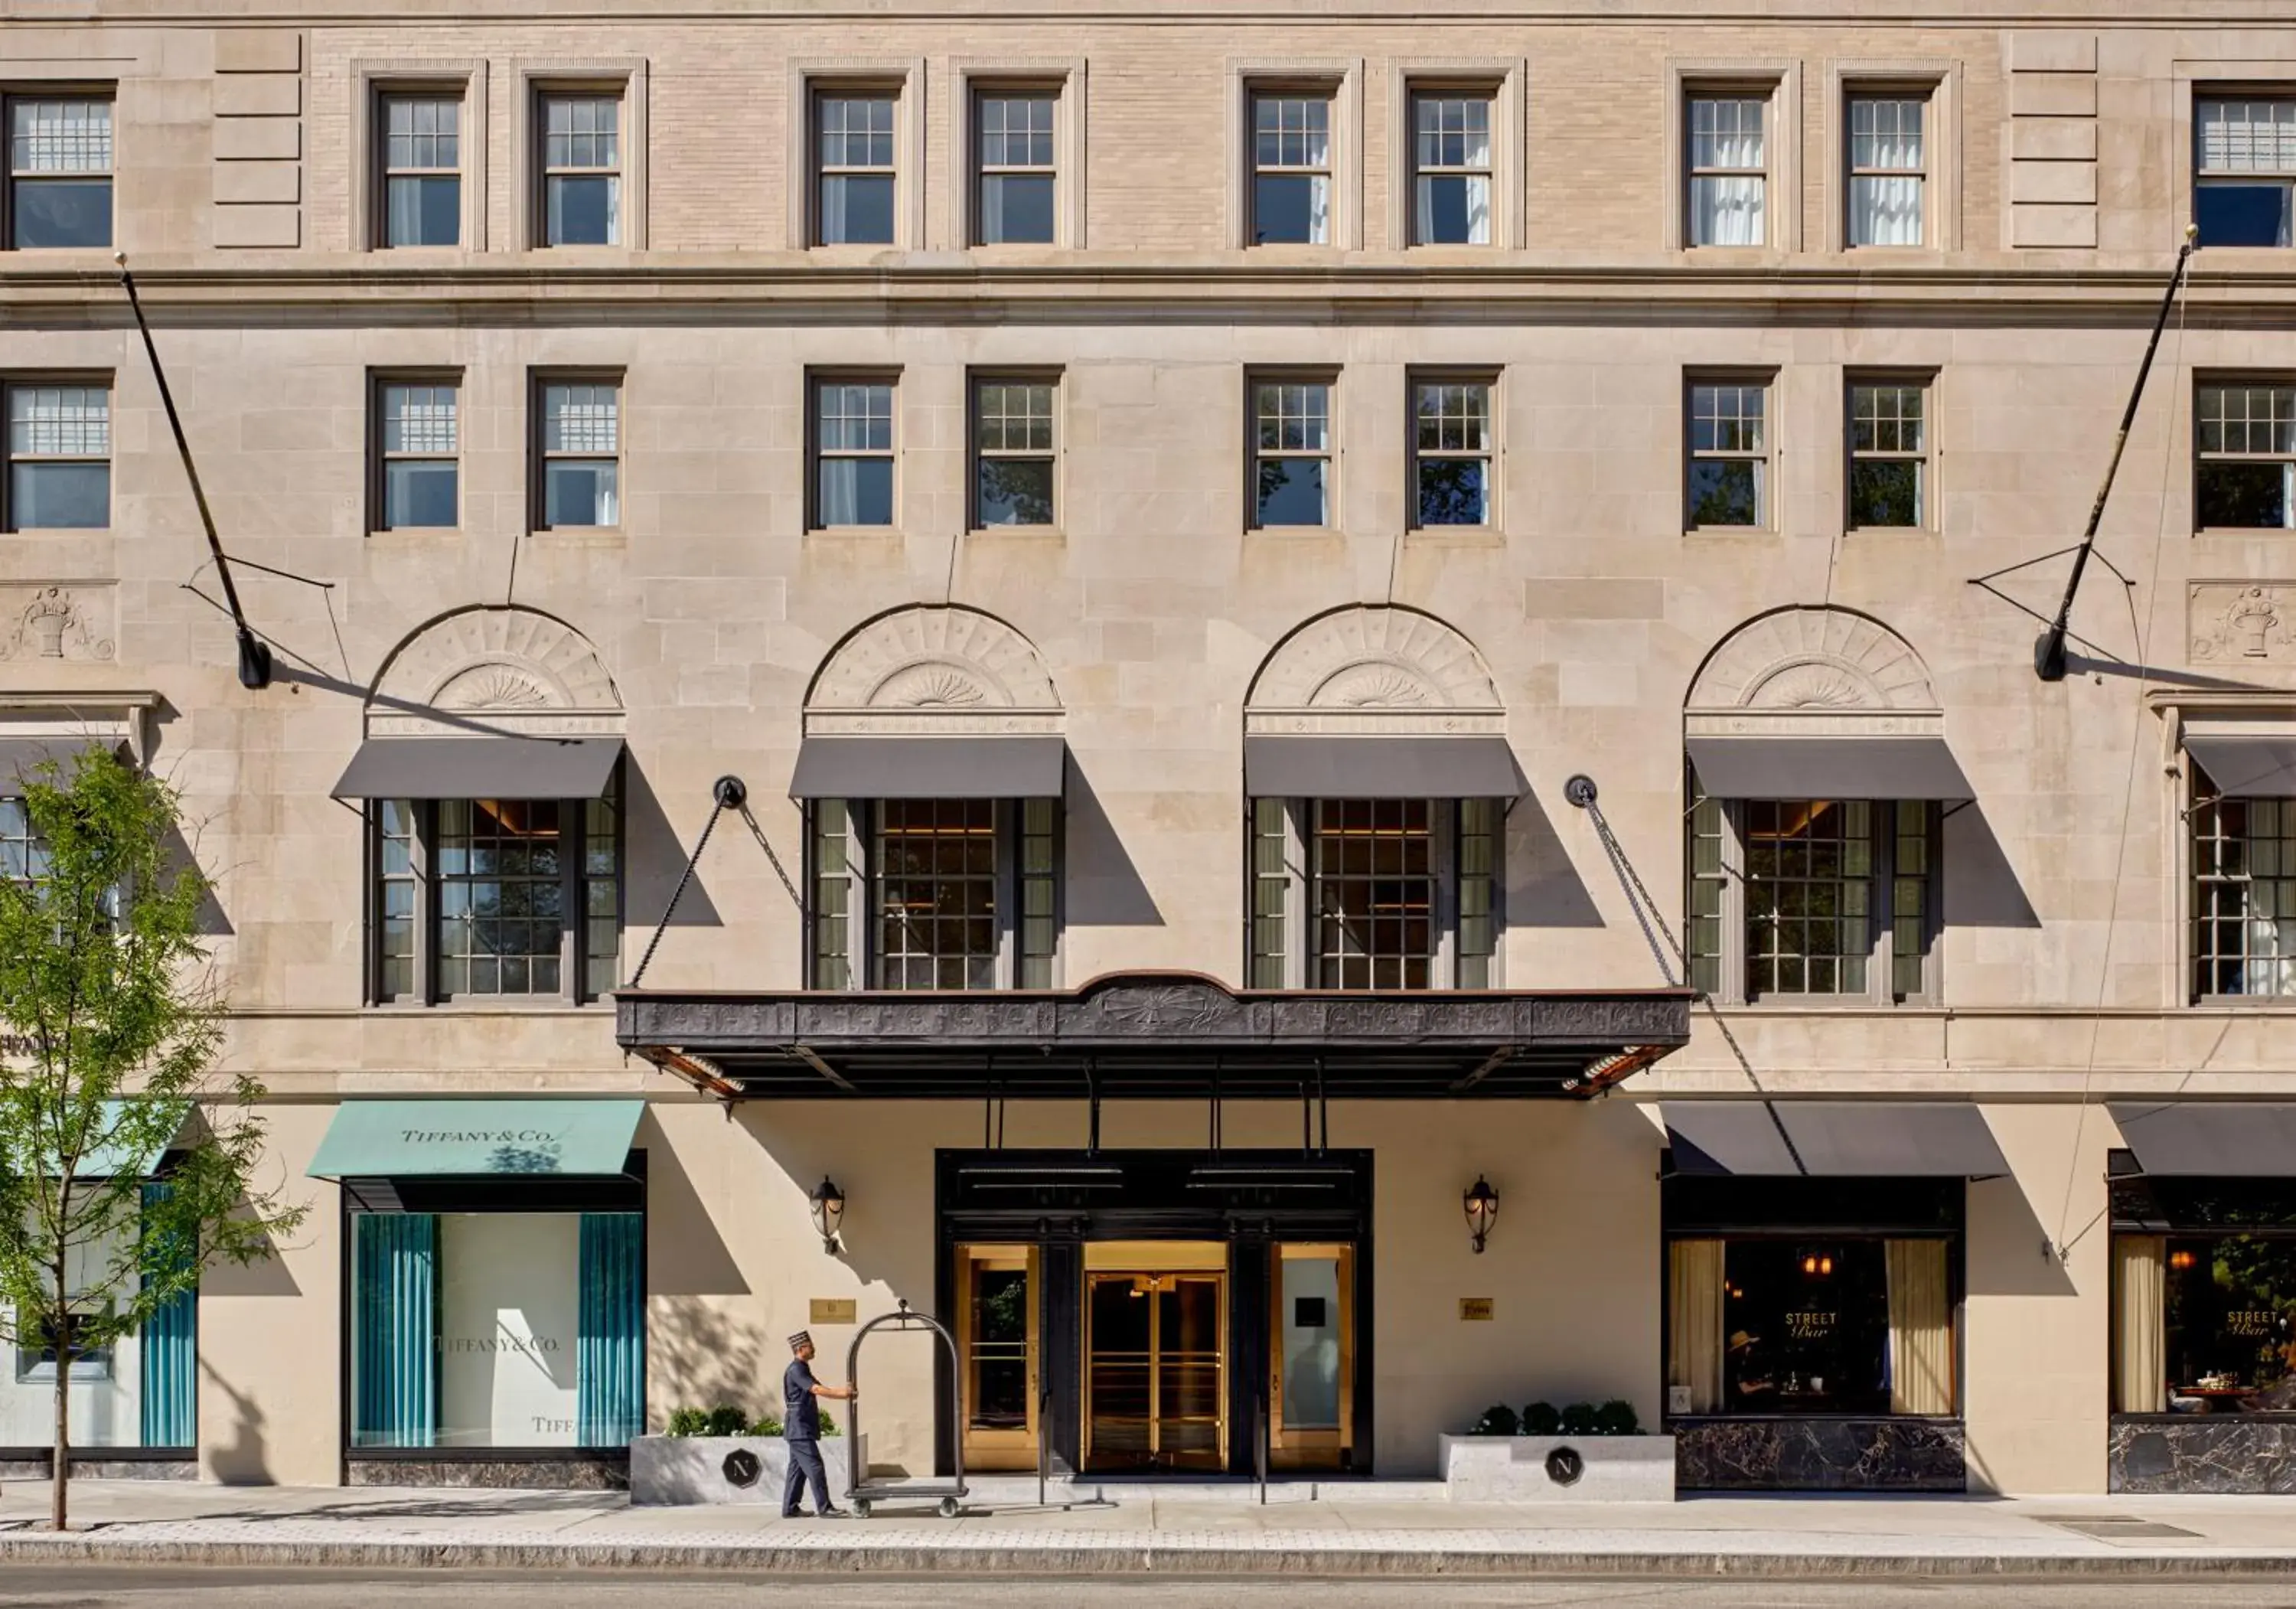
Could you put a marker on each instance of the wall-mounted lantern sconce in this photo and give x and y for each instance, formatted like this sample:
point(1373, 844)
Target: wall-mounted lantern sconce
point(828, 1212)
point(1482, 1205)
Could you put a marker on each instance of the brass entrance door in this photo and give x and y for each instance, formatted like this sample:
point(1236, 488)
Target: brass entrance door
point(996, 1355)
point(1312, 1357)
point(1156, 1359)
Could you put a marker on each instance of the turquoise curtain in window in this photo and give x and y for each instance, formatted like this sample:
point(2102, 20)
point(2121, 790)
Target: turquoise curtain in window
point(395, 1329)
point(169, 1344)
point(609, 1364)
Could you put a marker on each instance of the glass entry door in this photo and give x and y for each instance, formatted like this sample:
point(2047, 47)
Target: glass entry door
point(1311, 1357)
point(996, 1355)
point(1156, 1359)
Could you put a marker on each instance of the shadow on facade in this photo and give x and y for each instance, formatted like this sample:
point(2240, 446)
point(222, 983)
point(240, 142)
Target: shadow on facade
point(1104, 888)
point(1981, 887)
point(1543, 888)
point(242, 1459)
point(656, 859)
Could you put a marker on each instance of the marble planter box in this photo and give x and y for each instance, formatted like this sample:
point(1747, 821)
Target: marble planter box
point(1558, 1469)
point(666, 1470)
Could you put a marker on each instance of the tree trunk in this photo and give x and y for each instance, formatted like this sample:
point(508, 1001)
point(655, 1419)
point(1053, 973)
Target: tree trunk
point(60, 1501)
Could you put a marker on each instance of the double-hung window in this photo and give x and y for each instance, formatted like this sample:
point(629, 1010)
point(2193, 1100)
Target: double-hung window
point(1729, 170)
point(422, 153)
point(934, 893)
point(1812, 898)
point(59, 171)
point(2243, 873)
point(1014, 451)
point(1374, 893)
point(2245, 475)
point(59, 455)
point(1727, 461)
point(1017, 174)
point(1291, 198)
point(852, 451)
point(581, 169)
point(496, 900)
point(854, 173)
point(1451, 451)
point(578, 452)
point(1451, 182)
point(417, 448)
point(1888, 170)
point(1290, 451)
point(1889, 454)
point(2245, 170)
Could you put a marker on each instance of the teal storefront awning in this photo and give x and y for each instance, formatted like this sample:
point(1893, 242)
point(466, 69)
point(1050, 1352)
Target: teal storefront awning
point(405, 1139)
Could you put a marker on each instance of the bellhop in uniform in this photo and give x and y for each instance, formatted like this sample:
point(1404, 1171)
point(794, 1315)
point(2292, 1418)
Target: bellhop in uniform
point(801, 1396)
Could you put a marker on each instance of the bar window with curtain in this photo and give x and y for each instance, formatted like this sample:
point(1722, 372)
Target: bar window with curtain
point(422, 159)
point(1728, 169)
point(853, 450)
point(2204, 1319)
point(581, 169)
point(1451, 179)
point(1291, 189)
point(2245, 169)
point(578, 452)
point(1889, 483)
point(1018, 174)
point(1888, 169)
point(1812, 898)
point(1727, 467)
point(1374, 893)
point(496, 900)
point(934, 893)
point(2244, 472)
point(59, 455)
point(59, 171)
point(1292, 450)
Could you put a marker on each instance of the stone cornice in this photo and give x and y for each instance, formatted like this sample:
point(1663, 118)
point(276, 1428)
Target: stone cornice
point(1101, 288)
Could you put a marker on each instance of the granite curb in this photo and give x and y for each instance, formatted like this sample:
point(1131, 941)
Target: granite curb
point(1131, 1558)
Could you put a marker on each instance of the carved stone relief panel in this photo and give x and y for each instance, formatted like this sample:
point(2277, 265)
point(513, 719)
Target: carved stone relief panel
point(1374, 668)
point(933, 670)
point(66, 621)
point(521, 670)
point(1813, 659)
point(2237, 623)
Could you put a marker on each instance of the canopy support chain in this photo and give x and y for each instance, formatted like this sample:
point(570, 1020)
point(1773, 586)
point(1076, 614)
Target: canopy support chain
point(728, 792)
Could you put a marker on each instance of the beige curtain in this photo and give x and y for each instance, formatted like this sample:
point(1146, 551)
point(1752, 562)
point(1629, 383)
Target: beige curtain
point(1693, 1351)
point(2140, 1371)
point(1921, 1328)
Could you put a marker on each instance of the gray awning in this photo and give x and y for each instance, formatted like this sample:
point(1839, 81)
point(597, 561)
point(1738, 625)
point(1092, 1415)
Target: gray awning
point(1903, 1139)
point(1373, 766)
point(2247, 765)
point(2230, 1139)
point(481, 767)
point(1827, 767)
point(975, 765)
point(22, 756)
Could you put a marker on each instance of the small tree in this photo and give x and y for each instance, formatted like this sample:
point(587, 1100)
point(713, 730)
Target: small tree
point(109, 1022)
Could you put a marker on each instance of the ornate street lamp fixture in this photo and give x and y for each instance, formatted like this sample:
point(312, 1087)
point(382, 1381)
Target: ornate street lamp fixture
point(828, 1212)
point(1482, 1205)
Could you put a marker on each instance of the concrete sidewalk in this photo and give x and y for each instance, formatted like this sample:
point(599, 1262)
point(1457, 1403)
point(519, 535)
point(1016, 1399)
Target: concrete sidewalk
point(1143, 1531)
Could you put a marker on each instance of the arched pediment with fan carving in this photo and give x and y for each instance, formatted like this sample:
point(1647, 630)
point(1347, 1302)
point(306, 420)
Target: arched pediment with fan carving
point(1807, 667)
point(937, 668)
point(503, 668)
point(1374, 668)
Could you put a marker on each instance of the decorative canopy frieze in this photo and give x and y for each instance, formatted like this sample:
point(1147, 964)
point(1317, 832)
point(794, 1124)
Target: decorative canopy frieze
point(1155, 1034)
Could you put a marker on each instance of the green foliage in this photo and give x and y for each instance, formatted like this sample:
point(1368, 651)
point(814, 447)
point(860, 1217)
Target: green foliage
point(1541, 1419)
point(726, 1420)
point(1498, 1420)
point(688, 1422)
point(109, 1025)
point(829, 1427)
point(1578, 1419)
point(1616, 1417)
point(767, 1425)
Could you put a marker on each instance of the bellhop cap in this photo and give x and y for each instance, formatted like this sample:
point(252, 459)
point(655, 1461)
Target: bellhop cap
point(802, 1338)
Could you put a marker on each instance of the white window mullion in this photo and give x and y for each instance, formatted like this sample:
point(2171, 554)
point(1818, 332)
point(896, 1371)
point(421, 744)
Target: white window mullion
point(1443, 818)
point(1299, 909)
point(1008, 893)
point(1732, 992)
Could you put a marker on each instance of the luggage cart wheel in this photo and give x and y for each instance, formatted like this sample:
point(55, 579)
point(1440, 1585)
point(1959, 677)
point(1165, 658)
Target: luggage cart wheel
point(861, 1507)
point(948, 1508)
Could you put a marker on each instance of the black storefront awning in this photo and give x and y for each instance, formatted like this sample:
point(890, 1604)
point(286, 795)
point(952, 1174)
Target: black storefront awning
point(1373, 767)
point(1832, 767)
point(2219, 1139)
point(2244, 764)
point(971, 765)
point(1881, 1140)
point(1154, 1035)
point(481, 767)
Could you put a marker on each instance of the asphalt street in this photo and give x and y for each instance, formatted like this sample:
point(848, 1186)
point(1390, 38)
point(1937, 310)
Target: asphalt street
point(98, 1587)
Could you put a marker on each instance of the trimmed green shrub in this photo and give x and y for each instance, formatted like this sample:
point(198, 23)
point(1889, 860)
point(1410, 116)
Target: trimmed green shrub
point(1616, 1417)
point(1541, 1419)
point(829, 1427)
point(1578, 1419)
point(1498, 1420)
point(767, 1425)
point(726, 1420)
point(688, 1422)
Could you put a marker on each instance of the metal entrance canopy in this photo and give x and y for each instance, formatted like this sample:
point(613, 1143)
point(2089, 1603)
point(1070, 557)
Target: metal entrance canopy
point(1154, 1035)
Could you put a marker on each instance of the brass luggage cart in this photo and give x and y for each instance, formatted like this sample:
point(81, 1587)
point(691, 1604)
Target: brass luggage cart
point(861, 1491)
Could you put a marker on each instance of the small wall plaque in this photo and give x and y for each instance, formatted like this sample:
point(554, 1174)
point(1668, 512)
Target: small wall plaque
point(1472, 1308)
point(832, 1310)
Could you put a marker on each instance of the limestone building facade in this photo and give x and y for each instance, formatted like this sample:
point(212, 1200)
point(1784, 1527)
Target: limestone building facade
point(1154, 507)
